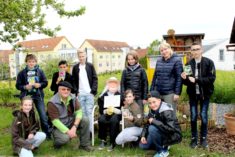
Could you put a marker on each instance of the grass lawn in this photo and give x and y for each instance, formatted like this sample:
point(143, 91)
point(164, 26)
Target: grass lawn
point(70, 150)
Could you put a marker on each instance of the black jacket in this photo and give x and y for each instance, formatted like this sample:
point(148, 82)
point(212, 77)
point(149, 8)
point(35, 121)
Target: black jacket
point(22, 81)
point(167, 123)
point(54, 86)
point(206, 78)
point(92, 78)
point(135, 80)
point(167, 76)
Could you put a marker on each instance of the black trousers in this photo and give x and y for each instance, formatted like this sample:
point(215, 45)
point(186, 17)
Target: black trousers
point(109, 124)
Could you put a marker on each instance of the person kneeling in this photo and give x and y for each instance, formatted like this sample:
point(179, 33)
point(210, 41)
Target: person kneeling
point(162, 129)
point(133, 119)
point(66, 116)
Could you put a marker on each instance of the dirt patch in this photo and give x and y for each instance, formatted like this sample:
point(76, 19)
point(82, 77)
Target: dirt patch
point(220, 141)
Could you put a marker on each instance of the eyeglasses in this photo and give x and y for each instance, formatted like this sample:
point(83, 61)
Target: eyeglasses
point(64, 89)
point(196, 49)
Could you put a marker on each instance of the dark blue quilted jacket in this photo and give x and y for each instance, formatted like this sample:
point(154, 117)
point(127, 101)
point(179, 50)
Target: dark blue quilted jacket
point(167, 79)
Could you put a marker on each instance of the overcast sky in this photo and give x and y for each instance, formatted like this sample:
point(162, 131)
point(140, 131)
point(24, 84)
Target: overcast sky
point(139, 22)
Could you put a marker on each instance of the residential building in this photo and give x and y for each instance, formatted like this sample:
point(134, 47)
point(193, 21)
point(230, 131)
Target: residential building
point(217, 51)
point(141, 52)
point(44, 49)
point(106, 55)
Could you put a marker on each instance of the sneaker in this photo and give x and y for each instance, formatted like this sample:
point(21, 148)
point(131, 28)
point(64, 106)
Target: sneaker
point(110, 148)
point(102, 144)
point(162, 154)
point(193, 143)
point(87, 148)
point(203, 143)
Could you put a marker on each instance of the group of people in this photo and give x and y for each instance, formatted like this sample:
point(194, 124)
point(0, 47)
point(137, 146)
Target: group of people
point(70, 109)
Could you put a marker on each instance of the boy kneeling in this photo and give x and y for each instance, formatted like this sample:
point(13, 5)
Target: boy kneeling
point(162, 129)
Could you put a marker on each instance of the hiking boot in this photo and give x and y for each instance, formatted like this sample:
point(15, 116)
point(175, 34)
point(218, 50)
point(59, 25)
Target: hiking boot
point(110, 148)
point(203, 143)
point(102, 144)
point(87, 148)
point(193, 143)
point(162, 154)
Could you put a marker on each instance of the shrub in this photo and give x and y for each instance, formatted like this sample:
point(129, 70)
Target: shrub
point(5, 95)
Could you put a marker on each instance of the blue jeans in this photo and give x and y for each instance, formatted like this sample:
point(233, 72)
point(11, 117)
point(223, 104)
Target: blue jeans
point(204, 104)
point(87, 104)
point(40, 106)
point(154, 140)
point(38, 138)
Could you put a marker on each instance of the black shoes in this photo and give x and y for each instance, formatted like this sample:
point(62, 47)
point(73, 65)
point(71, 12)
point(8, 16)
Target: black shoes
point(102, 144)
point(193, 143)
point(203, 143)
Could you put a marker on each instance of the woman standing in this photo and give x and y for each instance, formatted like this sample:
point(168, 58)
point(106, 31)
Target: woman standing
point(167, 76)
point(134, 77)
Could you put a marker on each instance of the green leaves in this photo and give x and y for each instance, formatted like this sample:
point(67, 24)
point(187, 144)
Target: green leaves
point(19, 18)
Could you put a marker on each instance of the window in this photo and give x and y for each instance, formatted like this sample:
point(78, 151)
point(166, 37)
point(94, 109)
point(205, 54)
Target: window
point(119, 56)
point(234, 66)
point(221, 55)
point(63, 46)
point(107, 64)
point(107, 56)
point(100, 64)
point(101, 56)
point(113, 56)
point(234, 55)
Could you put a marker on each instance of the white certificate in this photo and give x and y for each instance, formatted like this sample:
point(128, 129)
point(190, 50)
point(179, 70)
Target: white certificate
point(112, 100)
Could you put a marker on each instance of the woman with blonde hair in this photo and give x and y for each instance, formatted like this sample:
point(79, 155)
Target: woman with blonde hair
point(167, 76)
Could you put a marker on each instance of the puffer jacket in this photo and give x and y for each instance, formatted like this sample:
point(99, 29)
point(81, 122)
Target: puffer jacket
point(206, 78)
point(135, 80)
point(167, 123)
point(167, 76)
point(22, 126)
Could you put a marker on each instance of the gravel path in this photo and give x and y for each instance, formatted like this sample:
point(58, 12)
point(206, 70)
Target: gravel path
point(220, 109)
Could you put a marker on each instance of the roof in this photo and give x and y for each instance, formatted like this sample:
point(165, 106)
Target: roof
point(141, 52)
point(232, 37)
point(207, 47)
point(186, 35)
point(47, 44)
point(107, 46)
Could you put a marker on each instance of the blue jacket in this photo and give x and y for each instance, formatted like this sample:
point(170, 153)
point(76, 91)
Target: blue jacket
point(22, 81)
point(167, 76)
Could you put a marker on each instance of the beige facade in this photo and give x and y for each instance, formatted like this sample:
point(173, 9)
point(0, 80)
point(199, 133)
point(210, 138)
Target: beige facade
point(105, 58)
point(44, 49)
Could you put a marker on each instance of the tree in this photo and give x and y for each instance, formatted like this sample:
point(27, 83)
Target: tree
point(153, 48)
point(19, 18)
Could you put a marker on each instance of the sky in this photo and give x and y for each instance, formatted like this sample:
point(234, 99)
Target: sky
point(139, 22)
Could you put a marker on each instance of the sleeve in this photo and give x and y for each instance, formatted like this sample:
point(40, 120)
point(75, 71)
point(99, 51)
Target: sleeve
point(178, 69)
point(43, 80)
point(20, 83)
point(144, 84)
point(94, 81)
point(101, 104)
point(19, 141)
point(123, 88)
point(210, 75)
point(53, 82)
point(169, 126)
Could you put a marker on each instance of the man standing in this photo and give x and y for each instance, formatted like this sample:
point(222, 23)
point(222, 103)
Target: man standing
point(85, 84)
point(66, 116)
point(199, 88)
